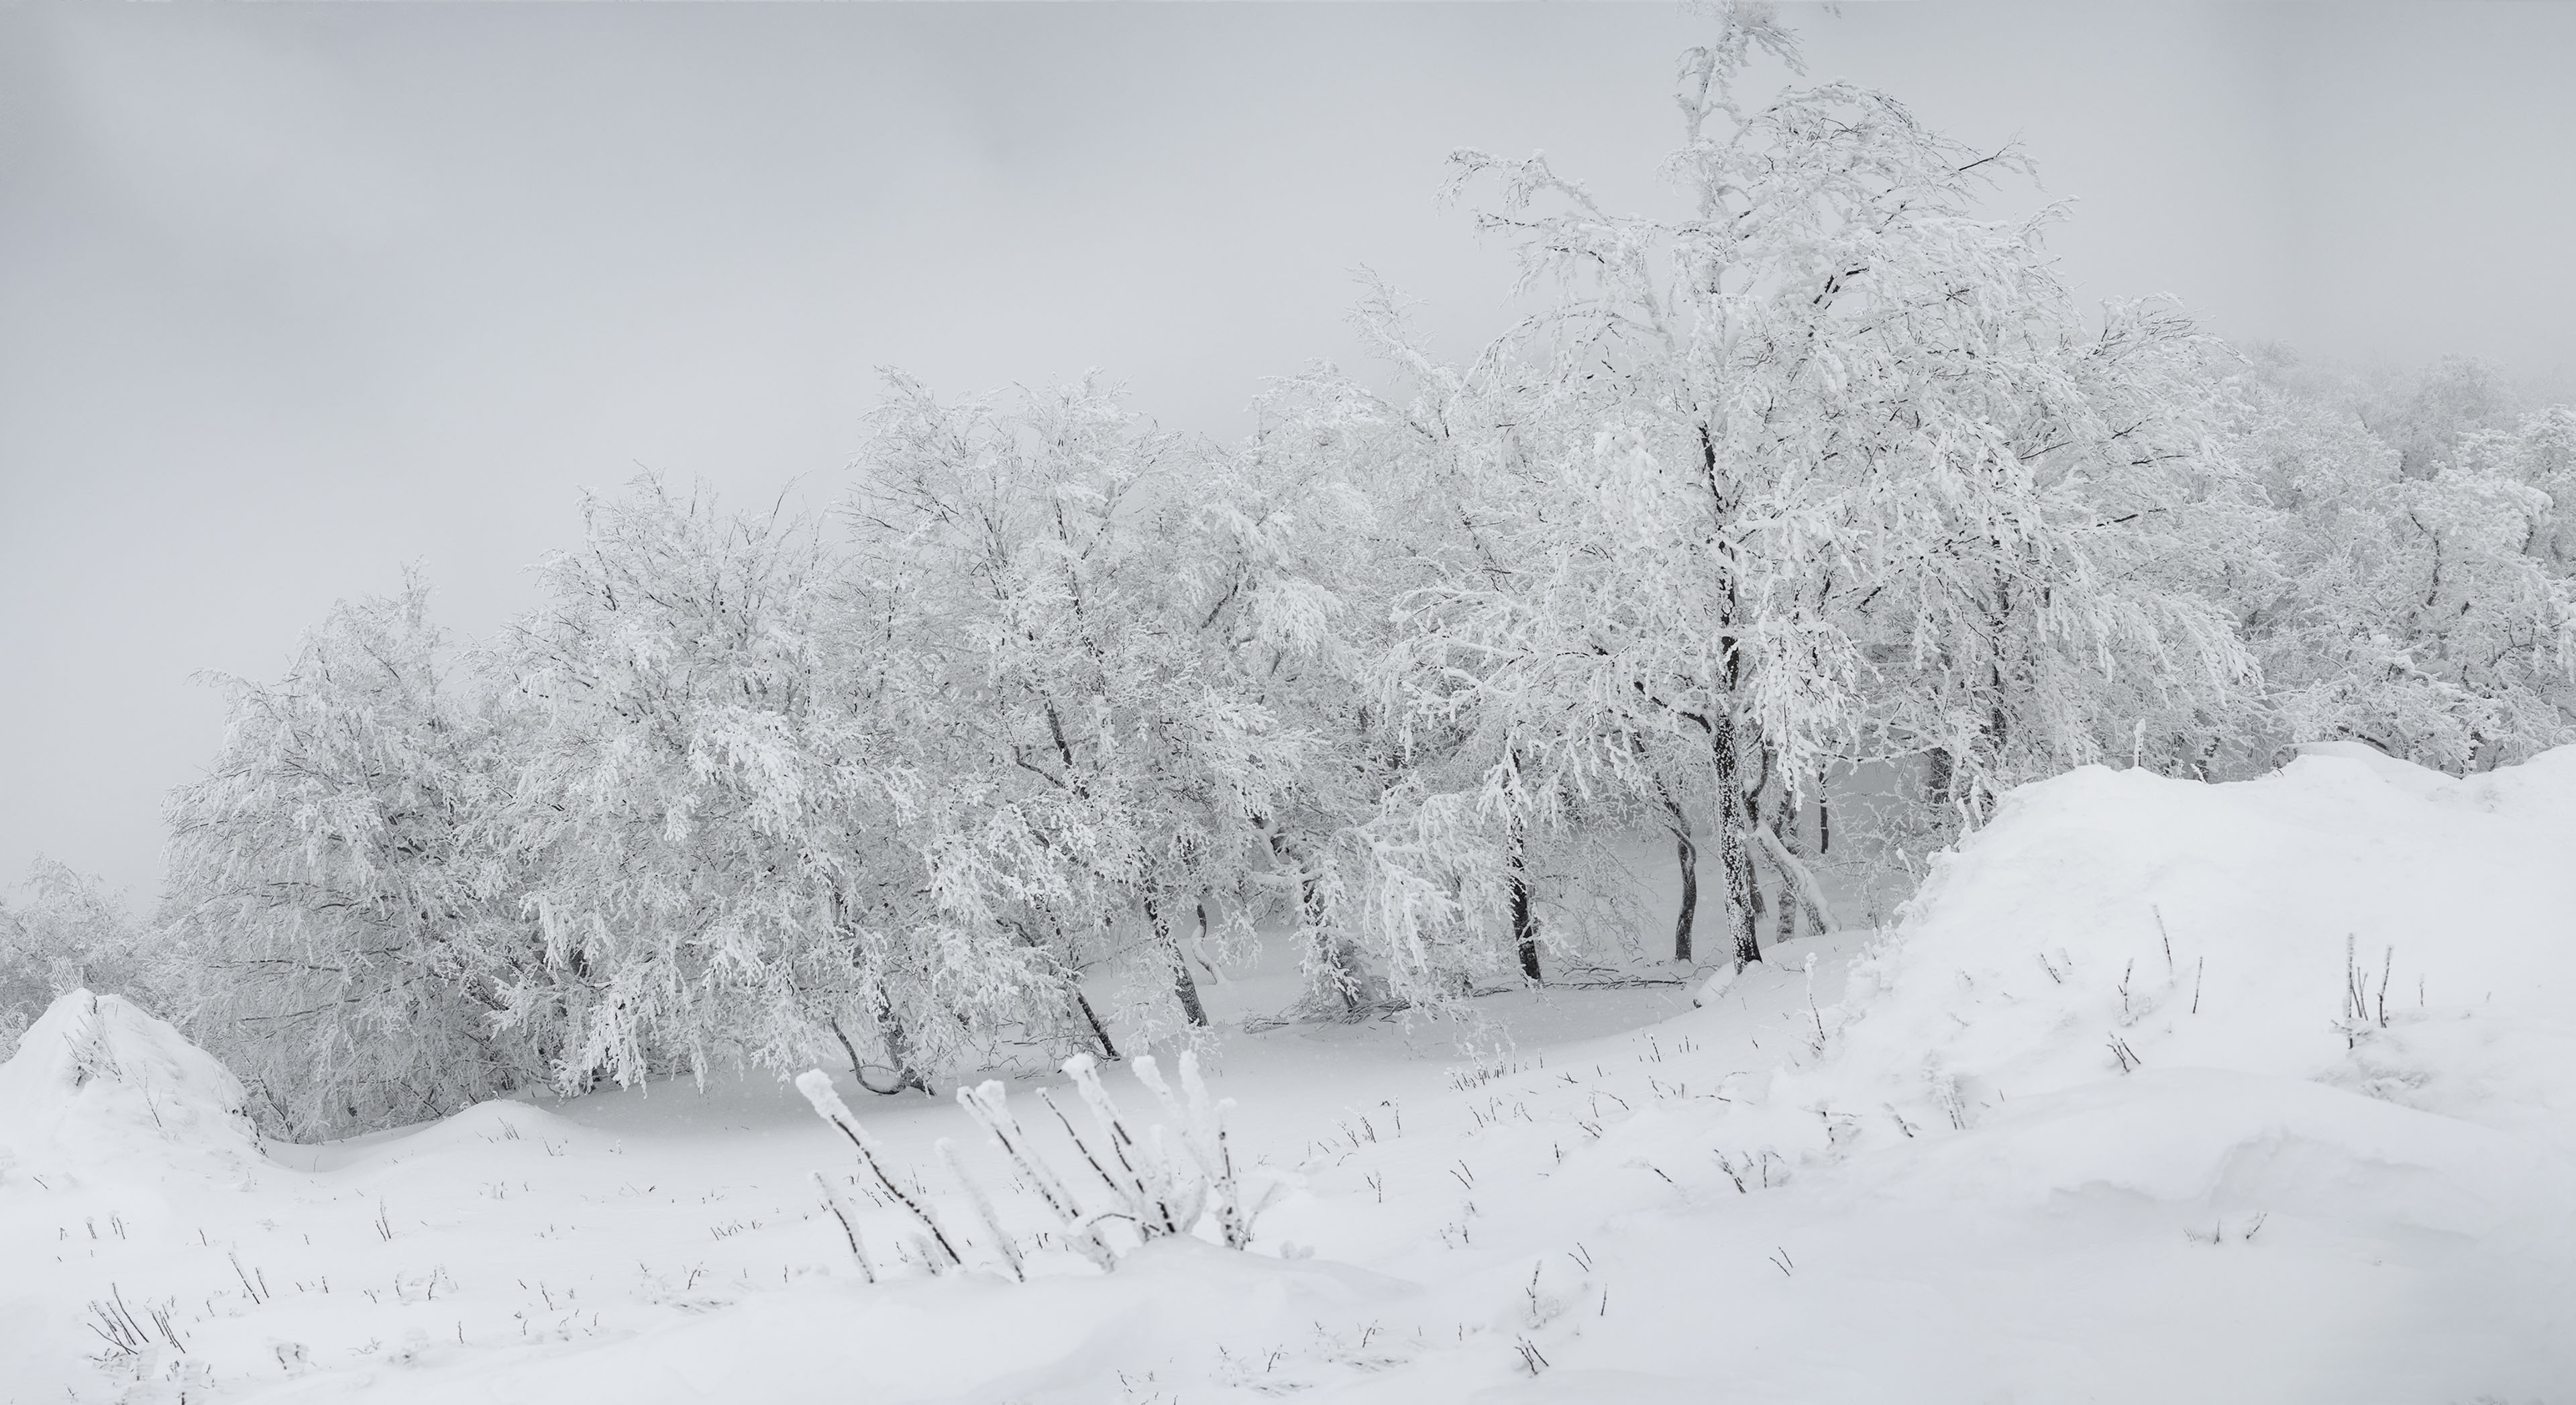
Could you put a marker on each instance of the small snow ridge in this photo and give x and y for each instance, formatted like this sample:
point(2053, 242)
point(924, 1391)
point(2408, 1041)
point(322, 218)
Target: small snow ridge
point(2240, 1143)
point(98, 1086)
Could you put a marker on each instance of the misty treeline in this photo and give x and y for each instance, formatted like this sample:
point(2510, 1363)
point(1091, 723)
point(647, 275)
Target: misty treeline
point(1818, 473)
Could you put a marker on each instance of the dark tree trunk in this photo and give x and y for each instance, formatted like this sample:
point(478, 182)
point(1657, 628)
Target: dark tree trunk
point(1183, 986)
point(1824, 817)
point(1732, 836)
point(1099, 1031)
point(1753, 821)
point(858, 1068)
point(1205, 964)
point(1524, 928)
point(1686, 855)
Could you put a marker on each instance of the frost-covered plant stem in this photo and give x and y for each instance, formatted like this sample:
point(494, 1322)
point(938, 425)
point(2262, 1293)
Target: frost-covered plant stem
point(1204, 1137)
point(849, 1225)
point(816, 1085)
point(1812, 1012)
point(985, 1103)
point(983, 1204)
point(1147, 1184)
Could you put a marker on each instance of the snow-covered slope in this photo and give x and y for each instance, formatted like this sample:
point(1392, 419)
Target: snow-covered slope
point(2109, 918)
point(2101, 1122)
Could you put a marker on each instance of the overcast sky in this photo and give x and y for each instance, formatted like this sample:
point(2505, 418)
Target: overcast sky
point(290, 296)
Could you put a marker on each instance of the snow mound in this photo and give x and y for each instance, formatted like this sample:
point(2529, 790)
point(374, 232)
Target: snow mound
point(97, 1086)
point(2351, 920)
point(474, 1133)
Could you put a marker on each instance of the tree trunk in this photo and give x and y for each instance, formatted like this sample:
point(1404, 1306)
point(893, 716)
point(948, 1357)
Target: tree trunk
point(1732, 854)
point(1182, 985)
point(1524, 930)
point(858, 1069)
point(1686, 855)
point(1099, 1031)
point(1332, 956)
point(1797, 884)
point(1824, 816)
point(1753, 822)
point(1787, 830)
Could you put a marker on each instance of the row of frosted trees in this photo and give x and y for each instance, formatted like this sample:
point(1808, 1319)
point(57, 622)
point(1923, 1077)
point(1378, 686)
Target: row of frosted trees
point(1819, 472)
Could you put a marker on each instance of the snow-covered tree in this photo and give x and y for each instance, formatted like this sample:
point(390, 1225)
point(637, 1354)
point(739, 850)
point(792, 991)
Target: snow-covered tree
point(338, 887)
point(716, 807)
point(1822, 468)
point(1417, 884)
point(2430, 615)
point(1288, 573)
point(1082, 604)
point(2425, 414)
point(63, 930)
point(2539, 451)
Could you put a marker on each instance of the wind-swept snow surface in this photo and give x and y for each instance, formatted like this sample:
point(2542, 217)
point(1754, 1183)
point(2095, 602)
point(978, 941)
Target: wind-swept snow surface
point(2163, 1092)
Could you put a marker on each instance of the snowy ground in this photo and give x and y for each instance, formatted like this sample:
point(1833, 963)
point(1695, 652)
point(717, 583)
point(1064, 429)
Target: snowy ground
point(2099, 1124)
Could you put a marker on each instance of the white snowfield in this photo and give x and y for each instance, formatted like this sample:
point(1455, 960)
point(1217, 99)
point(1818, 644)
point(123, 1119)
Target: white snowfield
point(2100, 1123)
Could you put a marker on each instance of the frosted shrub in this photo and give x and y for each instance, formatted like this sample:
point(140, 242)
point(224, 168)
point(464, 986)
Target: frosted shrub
point(1160, 1191)
point(1158, 1185)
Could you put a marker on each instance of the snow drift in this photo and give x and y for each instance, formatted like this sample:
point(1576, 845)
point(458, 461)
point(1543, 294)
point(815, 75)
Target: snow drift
point(98, 1087)
point(2351, 920)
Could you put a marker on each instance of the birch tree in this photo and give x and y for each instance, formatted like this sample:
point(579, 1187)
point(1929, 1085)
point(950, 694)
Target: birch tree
point(1823, 405)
